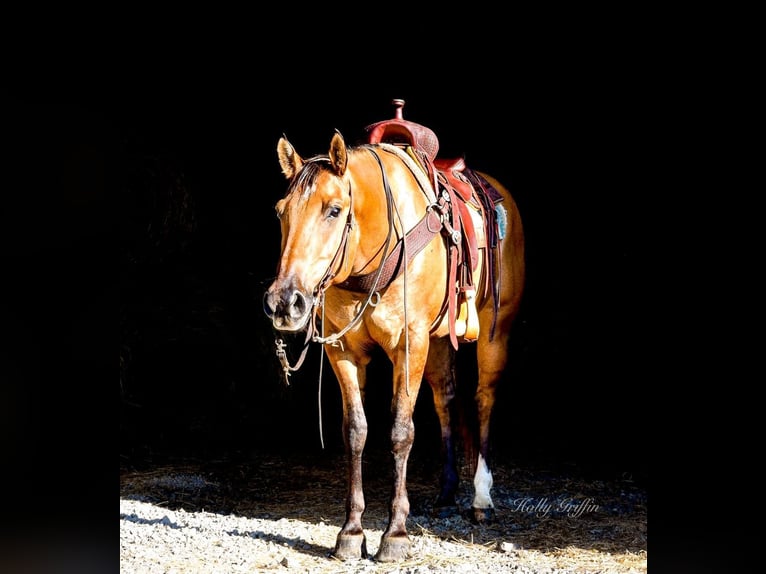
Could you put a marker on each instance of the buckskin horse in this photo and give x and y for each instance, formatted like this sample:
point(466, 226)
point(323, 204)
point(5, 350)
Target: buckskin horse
point(384, 243)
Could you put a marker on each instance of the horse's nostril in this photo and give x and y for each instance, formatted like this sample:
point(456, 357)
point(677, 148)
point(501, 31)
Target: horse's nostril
point(297, 304)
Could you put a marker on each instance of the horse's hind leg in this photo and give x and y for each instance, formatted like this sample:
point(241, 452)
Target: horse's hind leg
point(440, 374)
point(492, 357)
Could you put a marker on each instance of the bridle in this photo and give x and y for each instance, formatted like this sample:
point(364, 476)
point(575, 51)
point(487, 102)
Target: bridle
point(427, 228)
point(337, 263)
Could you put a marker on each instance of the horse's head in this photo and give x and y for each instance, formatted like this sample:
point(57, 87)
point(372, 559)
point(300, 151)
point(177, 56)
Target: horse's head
point(315, 217)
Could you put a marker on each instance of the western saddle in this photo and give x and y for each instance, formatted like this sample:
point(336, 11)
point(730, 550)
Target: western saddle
point(470, 206)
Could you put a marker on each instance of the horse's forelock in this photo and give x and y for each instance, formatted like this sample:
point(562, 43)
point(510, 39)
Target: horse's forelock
point(303, 183)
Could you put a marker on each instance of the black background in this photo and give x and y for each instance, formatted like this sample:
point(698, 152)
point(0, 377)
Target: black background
point(95, 175)
point(573, 393)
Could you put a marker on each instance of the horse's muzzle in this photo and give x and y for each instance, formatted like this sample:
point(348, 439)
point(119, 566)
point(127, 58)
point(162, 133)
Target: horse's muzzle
point(288, 309)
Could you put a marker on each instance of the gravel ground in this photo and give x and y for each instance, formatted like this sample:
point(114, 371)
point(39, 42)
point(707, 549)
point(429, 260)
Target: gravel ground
point(282, 514)
point(154, 539)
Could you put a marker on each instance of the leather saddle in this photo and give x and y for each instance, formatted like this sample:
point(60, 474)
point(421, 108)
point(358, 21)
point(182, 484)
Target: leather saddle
point(472, 201)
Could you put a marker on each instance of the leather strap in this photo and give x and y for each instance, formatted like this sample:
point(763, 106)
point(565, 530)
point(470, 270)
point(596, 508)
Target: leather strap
point(417, 238)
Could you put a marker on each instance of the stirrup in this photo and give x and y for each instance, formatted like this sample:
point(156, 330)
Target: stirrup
point(467, 323)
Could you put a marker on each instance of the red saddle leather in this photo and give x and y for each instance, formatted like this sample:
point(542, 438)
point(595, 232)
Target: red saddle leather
point(464, 197)
point(398, 131)
point(451, 169)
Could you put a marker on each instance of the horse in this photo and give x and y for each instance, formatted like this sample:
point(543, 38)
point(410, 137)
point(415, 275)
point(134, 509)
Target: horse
point(368, 258)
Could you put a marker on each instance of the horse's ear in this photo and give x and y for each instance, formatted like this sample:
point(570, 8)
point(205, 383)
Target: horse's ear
point(338, 154)
point(289, 159)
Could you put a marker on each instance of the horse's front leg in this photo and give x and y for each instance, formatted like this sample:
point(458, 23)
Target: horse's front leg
point(351, 542)
point(395, 543)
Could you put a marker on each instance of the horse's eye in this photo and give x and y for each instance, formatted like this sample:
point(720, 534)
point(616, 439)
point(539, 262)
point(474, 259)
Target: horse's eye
point(333, 212)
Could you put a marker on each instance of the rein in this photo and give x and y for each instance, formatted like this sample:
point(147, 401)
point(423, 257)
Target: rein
point(431, 224)
point(324, 283)
point(390, 267)
point(329, 275)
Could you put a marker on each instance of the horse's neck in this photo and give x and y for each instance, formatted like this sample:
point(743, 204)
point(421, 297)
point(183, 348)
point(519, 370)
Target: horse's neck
point(378, 225)
point(419, 165)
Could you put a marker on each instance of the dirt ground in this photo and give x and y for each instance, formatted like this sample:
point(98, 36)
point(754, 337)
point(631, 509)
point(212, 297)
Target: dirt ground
point(546, 520)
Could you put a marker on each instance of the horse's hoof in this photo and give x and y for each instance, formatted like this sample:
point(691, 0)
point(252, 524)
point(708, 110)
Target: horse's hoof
point(482, 515)
point(350, 547)
point(393, 549)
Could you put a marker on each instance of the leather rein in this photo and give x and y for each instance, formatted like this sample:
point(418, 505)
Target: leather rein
point(390, 268)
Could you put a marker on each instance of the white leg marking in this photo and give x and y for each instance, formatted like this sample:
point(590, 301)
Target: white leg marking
point(482, 482)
